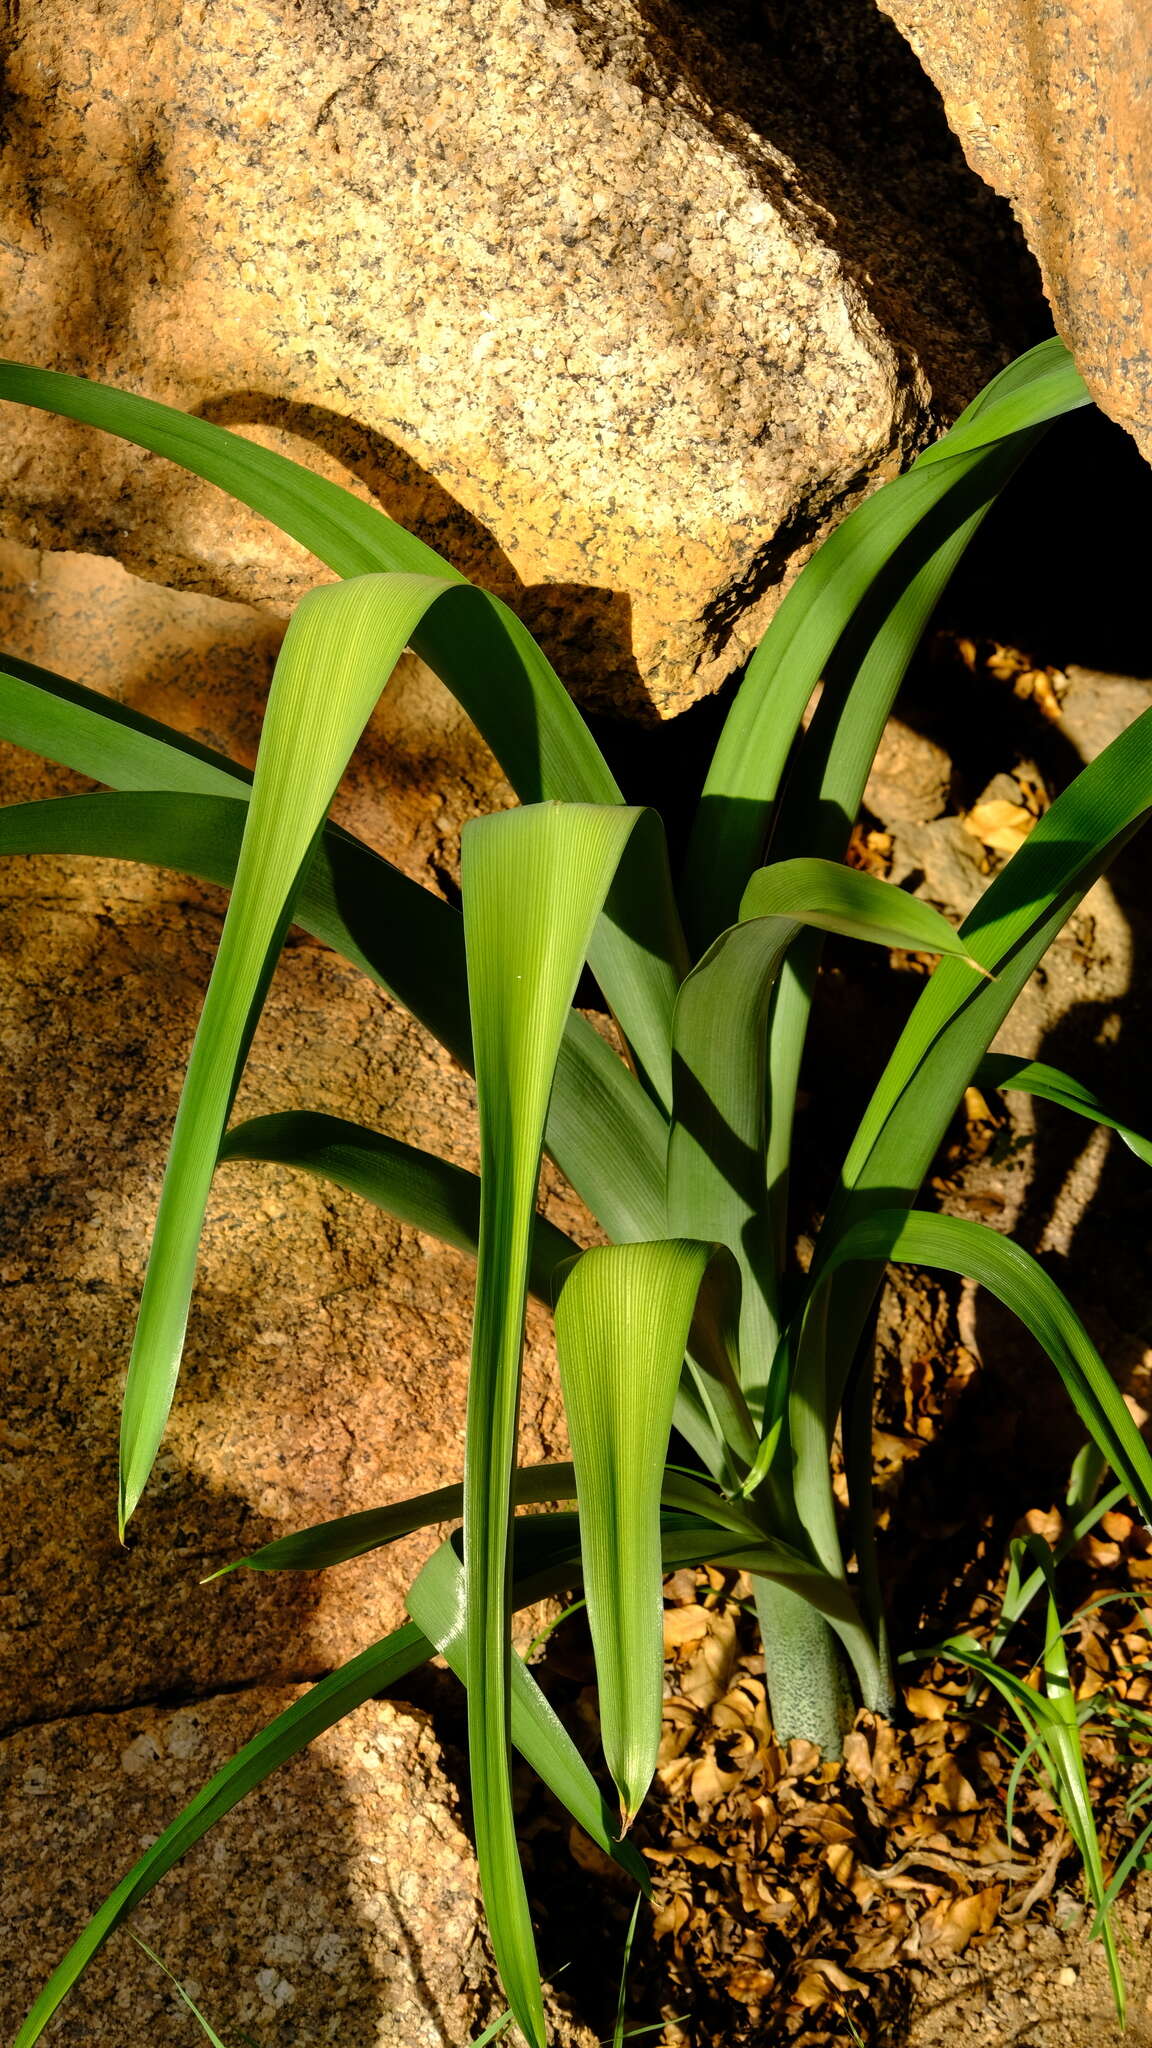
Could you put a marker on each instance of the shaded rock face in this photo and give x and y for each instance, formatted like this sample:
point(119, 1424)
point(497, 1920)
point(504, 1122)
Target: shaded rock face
point(602, 299)
point(365, 1931)
point(1051, 100)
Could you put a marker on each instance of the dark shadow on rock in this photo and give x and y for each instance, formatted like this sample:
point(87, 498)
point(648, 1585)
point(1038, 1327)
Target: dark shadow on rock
point(585, 631)
point(848, 129)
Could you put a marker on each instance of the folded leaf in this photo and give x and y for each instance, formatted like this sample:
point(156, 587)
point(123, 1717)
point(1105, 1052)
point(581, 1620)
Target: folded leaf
point(340, 649)
point(534, 882)
point(622, 1326)
point(436, 1604)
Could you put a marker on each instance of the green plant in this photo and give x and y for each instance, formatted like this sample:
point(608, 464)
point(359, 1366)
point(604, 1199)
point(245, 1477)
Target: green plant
point(695, 1314)
point(1052, 1722)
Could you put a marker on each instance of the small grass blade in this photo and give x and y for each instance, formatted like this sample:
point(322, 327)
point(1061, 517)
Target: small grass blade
point(206, 2029)
point(1051, 1723)
point(1032, 1077)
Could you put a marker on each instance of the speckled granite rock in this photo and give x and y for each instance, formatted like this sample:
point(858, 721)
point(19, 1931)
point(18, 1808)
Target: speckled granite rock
point(1052, 100)
point(363, 1932)
point(582, 292)
point(328, 1347)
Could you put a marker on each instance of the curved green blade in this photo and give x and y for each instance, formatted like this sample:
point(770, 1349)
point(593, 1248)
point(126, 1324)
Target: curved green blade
point(716, 1181)
point(340, 649)
point(347, 1536)
point(534, 882)
point(744, 779)
point(954, 1245)
point(1033, 1077)
point(623, 1320)
point(481, 651)
point(1009, 931)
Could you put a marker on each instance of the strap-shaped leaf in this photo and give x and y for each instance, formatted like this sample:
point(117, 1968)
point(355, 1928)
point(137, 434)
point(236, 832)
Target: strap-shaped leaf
point(1052, 1084)
point(534, 881)
point(716, 1182)
point(622, 1327)
point(436, 1604)
point(744, 779)
point(1009, 931)
point(340, 649)
point(347, 1536)
point(954, 1245)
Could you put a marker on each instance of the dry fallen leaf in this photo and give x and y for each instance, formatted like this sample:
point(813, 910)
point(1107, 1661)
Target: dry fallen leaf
point(998, 824)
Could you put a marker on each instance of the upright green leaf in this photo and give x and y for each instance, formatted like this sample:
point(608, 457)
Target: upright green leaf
point(622, 1326)
point(534, 882)
point(745, 776)
point(341, 647)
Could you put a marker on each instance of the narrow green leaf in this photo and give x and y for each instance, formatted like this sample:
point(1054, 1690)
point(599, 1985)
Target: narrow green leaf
point(955, 1245)
point(80, 728)
point(1009, 932)
point(534, 882)
point(340, 649)
point(348, 1536)
point(744, 779)
point(1033, 1077)
point(622, 1326)
point(436, 1604)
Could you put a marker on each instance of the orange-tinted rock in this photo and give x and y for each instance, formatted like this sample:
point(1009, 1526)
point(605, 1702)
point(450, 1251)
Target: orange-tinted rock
point(1052, 101)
